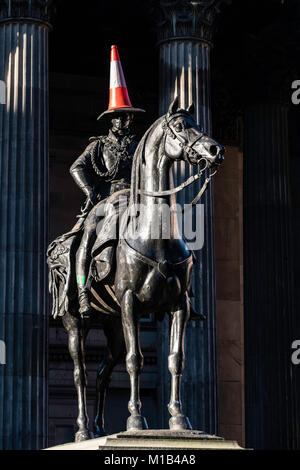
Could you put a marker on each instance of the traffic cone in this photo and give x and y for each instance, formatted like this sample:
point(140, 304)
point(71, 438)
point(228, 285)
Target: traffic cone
point(119, 100)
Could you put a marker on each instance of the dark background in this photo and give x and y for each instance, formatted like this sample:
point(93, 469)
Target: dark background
point(255, 60)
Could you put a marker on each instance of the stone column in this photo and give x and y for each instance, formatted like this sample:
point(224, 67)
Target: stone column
point(185, 33)
point(271, 418)
point(24, 223)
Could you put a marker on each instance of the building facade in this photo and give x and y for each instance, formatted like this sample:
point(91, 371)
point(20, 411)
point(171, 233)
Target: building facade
point(237, 67)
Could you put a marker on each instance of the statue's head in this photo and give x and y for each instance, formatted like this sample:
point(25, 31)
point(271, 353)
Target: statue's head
point(121, 122)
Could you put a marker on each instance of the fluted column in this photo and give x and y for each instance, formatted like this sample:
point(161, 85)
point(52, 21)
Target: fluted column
point(185, 33)
point(271, 418)
point(24, 223)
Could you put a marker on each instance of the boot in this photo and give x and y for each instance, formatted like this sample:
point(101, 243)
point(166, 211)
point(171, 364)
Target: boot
point(84, 302)
point(104, 262)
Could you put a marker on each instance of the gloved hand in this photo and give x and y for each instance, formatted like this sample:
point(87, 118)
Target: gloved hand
point(92, 195)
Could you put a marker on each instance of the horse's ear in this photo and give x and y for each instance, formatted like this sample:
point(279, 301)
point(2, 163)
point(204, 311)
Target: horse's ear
point(173, 106)
point(191, 109)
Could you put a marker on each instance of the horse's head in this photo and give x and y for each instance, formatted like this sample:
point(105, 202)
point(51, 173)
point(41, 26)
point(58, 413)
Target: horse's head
point(186, 141)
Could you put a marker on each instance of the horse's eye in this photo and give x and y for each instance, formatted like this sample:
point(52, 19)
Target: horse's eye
point(178, 127)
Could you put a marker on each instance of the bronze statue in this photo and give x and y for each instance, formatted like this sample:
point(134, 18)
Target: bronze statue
point(144, 275)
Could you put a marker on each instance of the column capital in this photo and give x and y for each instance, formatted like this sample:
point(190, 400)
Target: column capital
point(186, 19)
point(23, 10)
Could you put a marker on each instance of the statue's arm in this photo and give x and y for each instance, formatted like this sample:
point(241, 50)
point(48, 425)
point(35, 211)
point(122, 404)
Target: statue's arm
point(81, 171)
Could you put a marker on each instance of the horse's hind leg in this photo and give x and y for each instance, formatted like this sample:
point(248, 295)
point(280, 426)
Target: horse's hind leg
point(76, 340)
point(115, 349)
point(134, 361)
point(178, 420)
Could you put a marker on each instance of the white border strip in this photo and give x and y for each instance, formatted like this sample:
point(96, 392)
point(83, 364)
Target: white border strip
point(2, 92)
point(2, 352)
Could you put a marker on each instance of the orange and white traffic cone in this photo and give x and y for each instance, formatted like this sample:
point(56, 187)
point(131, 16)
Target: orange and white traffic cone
point(119, 100)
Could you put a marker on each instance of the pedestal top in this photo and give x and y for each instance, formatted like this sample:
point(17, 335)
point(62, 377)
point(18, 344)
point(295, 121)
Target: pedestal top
point(166, 434)
point(154, 439)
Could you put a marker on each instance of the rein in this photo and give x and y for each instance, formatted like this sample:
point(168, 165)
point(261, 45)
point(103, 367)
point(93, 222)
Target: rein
point(187, 183)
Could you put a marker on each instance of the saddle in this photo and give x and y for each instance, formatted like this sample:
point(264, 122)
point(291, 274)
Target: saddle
point(104, 249)
point(61, 255)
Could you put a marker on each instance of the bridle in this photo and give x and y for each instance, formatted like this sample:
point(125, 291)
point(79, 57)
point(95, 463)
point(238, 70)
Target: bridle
point(187, 148)
point(189, 153)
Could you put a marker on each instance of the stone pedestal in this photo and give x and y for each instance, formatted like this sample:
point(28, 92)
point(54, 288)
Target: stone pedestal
point(154, 440)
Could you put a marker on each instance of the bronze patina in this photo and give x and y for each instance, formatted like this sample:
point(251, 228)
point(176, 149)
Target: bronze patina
point(141, 274)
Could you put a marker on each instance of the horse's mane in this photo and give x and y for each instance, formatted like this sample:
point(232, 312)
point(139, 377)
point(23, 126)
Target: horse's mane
point(139, 157)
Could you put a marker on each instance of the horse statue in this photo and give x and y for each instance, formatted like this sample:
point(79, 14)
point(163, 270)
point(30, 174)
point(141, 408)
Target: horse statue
point(148, 275)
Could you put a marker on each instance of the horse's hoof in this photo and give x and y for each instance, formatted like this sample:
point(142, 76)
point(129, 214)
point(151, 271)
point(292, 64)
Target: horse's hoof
point(136, 423)
point(83, 436)
point(99, 432)
point(179, 423)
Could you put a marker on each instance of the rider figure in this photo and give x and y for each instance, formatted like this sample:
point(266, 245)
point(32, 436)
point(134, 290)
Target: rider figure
point(102, 169)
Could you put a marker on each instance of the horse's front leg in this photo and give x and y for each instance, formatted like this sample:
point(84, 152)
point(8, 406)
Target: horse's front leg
point(180, 317)
point(134, 360)
point(76, 342)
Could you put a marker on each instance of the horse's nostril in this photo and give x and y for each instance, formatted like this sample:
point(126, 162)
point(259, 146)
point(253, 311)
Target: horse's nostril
point(213, 150)
point(220, 158)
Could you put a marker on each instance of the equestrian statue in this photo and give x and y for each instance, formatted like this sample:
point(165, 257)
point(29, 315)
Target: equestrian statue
point(109, 270)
